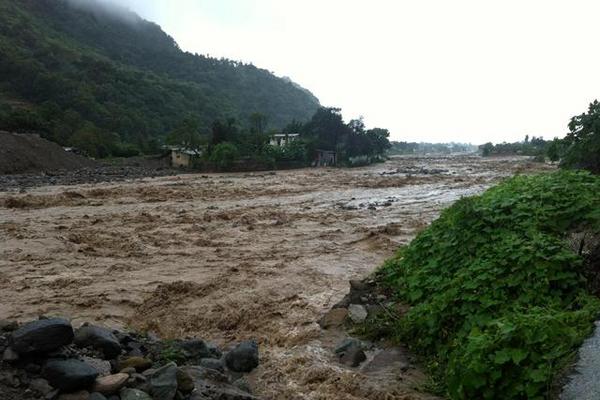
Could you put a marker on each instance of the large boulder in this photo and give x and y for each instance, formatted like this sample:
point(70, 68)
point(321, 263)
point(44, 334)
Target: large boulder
point(69, 375)
point(243, 358)
point(163, 382)
point(42, 336)
point(98, 338)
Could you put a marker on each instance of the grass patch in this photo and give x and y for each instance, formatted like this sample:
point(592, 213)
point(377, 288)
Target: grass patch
point(498, 295)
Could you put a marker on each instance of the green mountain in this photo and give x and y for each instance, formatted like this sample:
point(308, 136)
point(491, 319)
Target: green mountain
point(81, 71)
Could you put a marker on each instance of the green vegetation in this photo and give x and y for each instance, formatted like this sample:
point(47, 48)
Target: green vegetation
point(528, 147)
point(499, 297)
point(230, 143)
point(581, 147)
point(224, 155)
point(112, 83)
point(430, 148)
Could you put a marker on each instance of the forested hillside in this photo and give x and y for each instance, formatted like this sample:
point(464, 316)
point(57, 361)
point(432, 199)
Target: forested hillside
point(94, 75)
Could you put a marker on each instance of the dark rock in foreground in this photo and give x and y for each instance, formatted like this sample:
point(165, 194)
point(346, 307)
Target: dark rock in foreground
point(53, 366)
point(42, 336)
point(98, 338)
point(69, 375)
point(243, 358)
point(163, 382)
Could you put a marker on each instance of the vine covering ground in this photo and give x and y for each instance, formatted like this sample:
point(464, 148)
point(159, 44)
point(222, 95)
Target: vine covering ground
point(498, 290)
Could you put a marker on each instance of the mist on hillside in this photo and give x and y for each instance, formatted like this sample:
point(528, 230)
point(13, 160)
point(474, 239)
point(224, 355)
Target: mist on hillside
point(106, 8)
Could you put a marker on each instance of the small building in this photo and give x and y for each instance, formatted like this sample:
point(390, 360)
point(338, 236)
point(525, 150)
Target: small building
point(283, 139)
point(183, 158)
point(326, 158)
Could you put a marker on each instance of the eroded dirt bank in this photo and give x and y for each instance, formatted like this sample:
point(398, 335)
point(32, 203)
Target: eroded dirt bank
point(231, 256)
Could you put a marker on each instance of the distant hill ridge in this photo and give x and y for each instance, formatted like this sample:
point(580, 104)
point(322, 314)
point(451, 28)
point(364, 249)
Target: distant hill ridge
point(87, 72)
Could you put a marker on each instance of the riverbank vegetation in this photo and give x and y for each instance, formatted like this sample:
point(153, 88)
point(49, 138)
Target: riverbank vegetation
point(500, 286)
point(230, 142)
point(406, 148)
point(504, 287)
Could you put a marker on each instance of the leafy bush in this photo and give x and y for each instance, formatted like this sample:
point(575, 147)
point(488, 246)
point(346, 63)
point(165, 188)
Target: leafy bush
point(498, 297)
point(224, 155)
point(583, 141)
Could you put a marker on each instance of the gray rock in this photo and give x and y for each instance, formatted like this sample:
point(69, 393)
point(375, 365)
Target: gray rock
point(102, 366)
point(163, 383)
point(10, 355)
point(357, 313)
point(97, 396)
point(42, 336)
point(345, 344)
point(8, 326)
point(212, 363)
point(214, 350)
point(353, 357)
point(134, 394)
point(195, 349)
point(185, 383)
point(243, 358)
point(243, 385)
point(350, 352)
point(111, 384)
point(69, 375)
point(98, 338)
point(201, 374)
point(40, 386)
point(10, 378)
point(334, 318)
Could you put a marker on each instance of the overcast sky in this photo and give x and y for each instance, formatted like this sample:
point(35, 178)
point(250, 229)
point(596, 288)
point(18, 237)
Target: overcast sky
point(428, 70)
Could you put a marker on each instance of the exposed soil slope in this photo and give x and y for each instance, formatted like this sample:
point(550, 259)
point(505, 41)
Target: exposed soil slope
point(29, 153)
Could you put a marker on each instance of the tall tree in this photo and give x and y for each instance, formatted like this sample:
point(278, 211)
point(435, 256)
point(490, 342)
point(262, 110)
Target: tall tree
point(583, 140)
point(258, 123)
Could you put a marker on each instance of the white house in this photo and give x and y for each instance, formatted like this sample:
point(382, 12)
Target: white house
point(283, 139)
point(181, 157)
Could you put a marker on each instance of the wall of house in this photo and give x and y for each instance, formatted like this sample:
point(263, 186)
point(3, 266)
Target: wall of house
point(180, 159)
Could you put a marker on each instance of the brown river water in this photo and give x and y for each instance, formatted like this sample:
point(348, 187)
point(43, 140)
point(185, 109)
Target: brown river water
point(228, 257)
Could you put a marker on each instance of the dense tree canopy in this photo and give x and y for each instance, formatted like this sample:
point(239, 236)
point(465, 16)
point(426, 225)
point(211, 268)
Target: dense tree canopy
point(582, 144)
point(107, 81)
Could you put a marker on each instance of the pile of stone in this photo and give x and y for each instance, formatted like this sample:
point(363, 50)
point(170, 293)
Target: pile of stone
point(47, 359)
point(363, 301)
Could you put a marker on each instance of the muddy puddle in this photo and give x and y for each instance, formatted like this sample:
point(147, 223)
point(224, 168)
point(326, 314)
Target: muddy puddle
point(233, 256)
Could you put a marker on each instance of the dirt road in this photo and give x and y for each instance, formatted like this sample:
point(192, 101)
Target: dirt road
point(230, 256)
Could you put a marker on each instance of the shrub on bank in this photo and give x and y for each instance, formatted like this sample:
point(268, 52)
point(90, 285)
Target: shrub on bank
point(498, 296)
point(224, 155)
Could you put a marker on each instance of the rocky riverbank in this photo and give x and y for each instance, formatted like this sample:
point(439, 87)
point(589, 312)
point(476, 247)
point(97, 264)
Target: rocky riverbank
point(49, 359)
point(102, 173)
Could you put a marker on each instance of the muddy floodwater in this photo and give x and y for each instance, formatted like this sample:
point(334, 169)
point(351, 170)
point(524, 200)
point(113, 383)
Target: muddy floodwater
point(232, 256)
